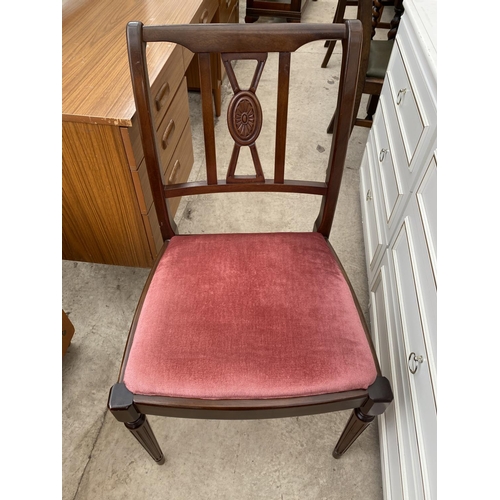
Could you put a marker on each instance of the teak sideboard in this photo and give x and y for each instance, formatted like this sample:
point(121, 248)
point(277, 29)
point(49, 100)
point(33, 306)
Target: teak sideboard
point(107, 214)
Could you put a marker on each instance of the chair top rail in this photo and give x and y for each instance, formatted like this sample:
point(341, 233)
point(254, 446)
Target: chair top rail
point(285, 37)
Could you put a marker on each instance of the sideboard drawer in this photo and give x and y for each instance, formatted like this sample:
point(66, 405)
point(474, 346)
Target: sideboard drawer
point(165, 85)
point(392, 190)
point(374, 240)
point(142, 187)
point(403, 95)
point(170, 129)
point(152, 228)
point(226, 9)
point(416, 298)
point(383, 333)
point(180, 165)
point(172, 126)
point(205, 12)
point(426, 195)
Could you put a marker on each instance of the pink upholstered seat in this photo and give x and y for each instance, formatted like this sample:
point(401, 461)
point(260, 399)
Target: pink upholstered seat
point(248, 316)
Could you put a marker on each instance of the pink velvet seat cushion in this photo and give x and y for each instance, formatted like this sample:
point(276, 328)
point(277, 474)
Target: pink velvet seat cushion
point(248, 316)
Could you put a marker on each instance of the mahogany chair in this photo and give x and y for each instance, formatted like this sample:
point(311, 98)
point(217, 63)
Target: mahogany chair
point(247, 326)
point(375, 54)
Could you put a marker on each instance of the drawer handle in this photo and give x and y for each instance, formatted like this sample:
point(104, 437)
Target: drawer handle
point(383, 154)
point(204, 17)
point(401, 94)
point(414, 362)
point(174, 172)
point(166, 135)
point(162, 96)
point(369, 196)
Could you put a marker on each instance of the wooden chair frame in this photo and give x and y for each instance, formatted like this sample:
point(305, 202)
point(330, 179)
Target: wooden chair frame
point(233, 42)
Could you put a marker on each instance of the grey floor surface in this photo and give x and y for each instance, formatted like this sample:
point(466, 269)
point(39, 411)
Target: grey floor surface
point(287, 459)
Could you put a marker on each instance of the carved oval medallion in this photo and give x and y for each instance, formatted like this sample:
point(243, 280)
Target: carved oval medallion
point(244, 118)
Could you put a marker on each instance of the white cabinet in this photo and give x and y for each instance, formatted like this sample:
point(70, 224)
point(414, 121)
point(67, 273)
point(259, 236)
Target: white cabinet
point(399, 209)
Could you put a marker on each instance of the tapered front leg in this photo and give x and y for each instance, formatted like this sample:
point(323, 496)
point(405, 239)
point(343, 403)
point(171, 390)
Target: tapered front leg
point(379, 398)
point(357, 423)
point(142, 431)
point(121, 405)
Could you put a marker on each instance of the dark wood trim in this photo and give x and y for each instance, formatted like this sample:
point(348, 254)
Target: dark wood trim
point(288, 186)
point(237, 409)
point(281, 116)
point(285, 37)
point(208, 116)
point(142, 95)
point(380, 397)
point(342, 126)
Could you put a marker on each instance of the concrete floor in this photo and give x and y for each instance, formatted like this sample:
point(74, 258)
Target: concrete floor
point(237, 460)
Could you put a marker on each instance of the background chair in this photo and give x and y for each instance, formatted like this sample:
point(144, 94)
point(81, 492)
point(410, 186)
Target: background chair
point(291, 10)
point(243, 326)
point(375, 53)
point(339, 17)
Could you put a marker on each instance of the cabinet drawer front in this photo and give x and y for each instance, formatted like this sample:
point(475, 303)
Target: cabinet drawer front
point(226, 10)
point(180, 165)
point(371, 225)
point(165, 85)
point(426, 194)
point(383, 333)
point(142, 187)
point(205, 12)
point(170, 130)
point(234, 16)
point(416, 303)
point(153, 232)
point(410, 116)
point(392, 190)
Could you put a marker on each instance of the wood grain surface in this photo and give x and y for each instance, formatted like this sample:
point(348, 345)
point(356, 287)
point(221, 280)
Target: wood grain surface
point(96, 84)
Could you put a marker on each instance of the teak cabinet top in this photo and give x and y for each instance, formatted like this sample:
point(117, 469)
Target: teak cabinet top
point(96, 85)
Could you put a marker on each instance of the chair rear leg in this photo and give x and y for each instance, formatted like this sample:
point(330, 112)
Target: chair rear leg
point(379, 398)
point(121, 405)
point(331, 46)
point(371, 107)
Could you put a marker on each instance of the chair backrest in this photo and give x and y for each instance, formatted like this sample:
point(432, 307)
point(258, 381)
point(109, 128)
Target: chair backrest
point(233, 42)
